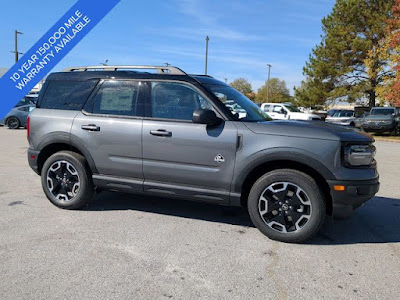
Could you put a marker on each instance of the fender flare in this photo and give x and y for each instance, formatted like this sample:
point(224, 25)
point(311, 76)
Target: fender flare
point(280, 154)
point(59, 137)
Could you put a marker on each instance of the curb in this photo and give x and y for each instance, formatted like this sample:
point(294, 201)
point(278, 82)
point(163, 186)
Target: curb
point(379, 139)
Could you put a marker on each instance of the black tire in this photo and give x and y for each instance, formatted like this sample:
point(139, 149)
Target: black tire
point(13, 123)
point(394, 132)
point(79, 187)
point(313, 212)
point(352, 124)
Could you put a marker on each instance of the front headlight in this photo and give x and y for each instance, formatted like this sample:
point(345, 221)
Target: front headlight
point(359, 155)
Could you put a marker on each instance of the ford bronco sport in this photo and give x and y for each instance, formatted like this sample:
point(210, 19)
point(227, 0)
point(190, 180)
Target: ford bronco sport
point(160, 131)
point(382, 119)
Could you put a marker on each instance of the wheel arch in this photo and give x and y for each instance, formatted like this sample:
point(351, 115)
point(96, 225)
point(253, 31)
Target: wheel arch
point(60, 143)
point(307, 165)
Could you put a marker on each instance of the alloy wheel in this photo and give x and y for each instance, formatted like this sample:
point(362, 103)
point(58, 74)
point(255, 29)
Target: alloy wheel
point(13, 123)
point(284, 207)
point(63, 180)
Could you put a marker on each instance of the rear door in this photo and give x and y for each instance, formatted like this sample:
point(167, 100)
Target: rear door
point(180, 157)
point(110, 127)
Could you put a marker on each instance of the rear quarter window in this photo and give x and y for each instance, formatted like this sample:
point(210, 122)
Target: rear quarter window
point(67, 95)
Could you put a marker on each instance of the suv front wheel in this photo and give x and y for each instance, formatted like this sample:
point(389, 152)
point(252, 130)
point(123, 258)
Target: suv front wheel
point(67, 181)
point(287, 205)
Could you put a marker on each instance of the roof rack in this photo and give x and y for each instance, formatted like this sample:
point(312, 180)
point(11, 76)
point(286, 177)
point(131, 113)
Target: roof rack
point(160, 69)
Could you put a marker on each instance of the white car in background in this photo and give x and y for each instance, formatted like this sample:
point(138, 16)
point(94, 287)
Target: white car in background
point(287, 111)
point(342, 117)
point(236, 109)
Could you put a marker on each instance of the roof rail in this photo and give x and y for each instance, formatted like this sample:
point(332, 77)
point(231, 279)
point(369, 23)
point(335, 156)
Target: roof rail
point(160, 69)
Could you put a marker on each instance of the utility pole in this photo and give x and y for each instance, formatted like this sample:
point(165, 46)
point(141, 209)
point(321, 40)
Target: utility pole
point(16, 45)
point(269, 73)
point(207, 39)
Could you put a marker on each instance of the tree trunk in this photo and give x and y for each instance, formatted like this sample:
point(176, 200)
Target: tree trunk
point(372, 93)
point(372, 98)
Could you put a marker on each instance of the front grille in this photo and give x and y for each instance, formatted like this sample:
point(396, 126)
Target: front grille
point(379, 121)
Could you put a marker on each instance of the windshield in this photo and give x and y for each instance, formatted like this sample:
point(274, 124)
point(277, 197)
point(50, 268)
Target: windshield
point(242, 108)
point(340, 114)
point(291, 108)
point(384, 111)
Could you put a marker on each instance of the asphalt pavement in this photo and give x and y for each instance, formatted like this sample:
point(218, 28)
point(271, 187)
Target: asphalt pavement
point(134, 247)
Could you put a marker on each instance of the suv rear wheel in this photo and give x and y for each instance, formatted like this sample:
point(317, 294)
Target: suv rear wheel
point(287, 205)
point(67, 181)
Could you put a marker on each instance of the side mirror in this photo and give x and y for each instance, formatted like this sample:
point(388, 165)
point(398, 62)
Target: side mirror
point(205, 116)
point(283, 111)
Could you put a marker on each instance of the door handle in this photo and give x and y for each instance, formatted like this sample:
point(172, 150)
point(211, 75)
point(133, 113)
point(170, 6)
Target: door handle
point(91, 127)
point(161, 132)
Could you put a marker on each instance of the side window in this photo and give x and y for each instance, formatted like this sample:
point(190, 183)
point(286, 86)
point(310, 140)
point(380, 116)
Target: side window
point(177, 101)
point(117, 97)
point(267, 107)
point(277, 109)
point(67, 95)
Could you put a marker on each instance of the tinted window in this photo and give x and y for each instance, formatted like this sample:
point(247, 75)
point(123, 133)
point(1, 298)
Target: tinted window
point(291, 108)
point(349, 114)
point(383, 111)
point(26, 108)
point(117, 97)
point(26, 101)
point(177, 101)
point(341, 114)
point(67, 95)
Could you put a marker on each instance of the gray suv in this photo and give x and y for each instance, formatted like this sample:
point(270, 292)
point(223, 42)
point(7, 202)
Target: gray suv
point(159, 131)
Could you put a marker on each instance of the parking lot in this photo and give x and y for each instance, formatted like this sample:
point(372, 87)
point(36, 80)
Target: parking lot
point(135, 247)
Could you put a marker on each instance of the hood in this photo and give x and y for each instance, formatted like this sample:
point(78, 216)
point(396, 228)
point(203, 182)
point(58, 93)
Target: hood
point(378, 117)
point(311, 130)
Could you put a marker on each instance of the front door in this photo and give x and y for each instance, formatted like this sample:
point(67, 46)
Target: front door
point(111, 129)
point(182, 158)
point(278, 112)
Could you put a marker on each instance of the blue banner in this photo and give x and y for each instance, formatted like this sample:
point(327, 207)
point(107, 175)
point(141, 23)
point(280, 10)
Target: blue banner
point(50, 49)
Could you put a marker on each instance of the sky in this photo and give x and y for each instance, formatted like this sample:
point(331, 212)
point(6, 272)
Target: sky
point(245, 36)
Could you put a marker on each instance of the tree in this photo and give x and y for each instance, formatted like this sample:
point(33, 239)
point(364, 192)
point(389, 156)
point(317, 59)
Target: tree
point(390, 50)
point(310, 93)
point(278, 92)
point(352, 35)
point(242, 85)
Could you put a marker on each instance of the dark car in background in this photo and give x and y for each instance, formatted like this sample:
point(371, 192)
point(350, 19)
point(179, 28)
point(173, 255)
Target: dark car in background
point(360, 119)
point(381, 120)
point(28, 99)
point(17, 116)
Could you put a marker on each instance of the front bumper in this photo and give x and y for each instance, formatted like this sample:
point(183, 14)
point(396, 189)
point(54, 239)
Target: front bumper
point(33, 160)
point(356, 193)
point(347, 123)
point(378, 128)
